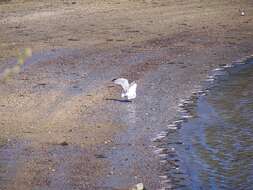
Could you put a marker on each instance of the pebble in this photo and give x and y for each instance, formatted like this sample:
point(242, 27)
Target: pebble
point(138, 186)
point(64, 143)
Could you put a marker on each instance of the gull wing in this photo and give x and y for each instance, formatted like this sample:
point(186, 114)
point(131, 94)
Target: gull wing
point(131, 93)
point(133, 86)
point(123, 83)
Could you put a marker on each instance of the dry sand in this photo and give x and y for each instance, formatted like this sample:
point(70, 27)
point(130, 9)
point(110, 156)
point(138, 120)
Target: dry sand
point(62, 126)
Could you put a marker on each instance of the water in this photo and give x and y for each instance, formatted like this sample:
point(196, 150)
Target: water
point(217, 150)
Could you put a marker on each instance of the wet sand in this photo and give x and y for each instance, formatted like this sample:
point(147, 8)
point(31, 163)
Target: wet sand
point(61, 124)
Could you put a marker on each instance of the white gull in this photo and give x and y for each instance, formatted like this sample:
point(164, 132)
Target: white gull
point(129, 90)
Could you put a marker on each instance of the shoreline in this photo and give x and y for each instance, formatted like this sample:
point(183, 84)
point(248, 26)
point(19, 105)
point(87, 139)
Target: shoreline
point(109, 142)
point(165, 144)
point(196, 120)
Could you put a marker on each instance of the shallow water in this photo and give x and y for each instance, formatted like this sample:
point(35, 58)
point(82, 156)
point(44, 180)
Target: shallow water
point(217, 149)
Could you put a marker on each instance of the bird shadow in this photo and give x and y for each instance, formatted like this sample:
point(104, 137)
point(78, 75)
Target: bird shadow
point(118, 100)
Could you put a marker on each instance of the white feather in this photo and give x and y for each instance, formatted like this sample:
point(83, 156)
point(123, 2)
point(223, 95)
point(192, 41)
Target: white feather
point(123, 83)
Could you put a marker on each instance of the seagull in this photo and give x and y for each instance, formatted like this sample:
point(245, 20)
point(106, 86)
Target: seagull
point(129, 90)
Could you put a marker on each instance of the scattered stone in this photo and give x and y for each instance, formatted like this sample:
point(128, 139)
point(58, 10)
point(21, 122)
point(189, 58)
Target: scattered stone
point(107, 142)
point(138, 186)
point(73, 39)
point(27, 131)
point(170, 63)
point(100, 156)
point(64, 143)
point(40, 85)
point(180, 63)
point(52, 169)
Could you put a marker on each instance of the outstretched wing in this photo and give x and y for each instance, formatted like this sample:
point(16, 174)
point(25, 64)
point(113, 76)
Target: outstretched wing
point(131, 94)
point(123, 83)
point(132, 87)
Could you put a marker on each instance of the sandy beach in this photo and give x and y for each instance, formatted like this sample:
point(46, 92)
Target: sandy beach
point(62, 124)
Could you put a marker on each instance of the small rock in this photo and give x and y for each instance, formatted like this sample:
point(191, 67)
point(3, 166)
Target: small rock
point(73, 39)
point(100, 156)
point(64, 143)
point(138, 186)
